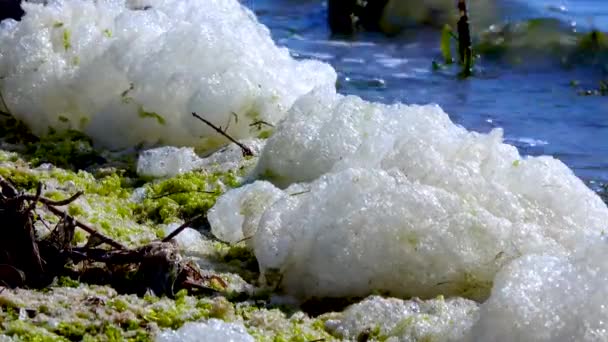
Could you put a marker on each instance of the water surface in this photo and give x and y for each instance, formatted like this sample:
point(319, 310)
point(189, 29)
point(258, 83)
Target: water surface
point(533, 100)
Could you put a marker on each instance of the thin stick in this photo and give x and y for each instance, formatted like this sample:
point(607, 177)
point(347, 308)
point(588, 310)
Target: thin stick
point(51, 207)
point(260, 123)
point(86, 228)
point(246, 150)
point(36, 197)
point(464, 39)
point(181, 228)
point(54, 203)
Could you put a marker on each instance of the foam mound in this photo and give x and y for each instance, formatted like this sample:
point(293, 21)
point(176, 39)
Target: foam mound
point(399, 320)
point(169, 161)
point(242, 209)
point(214, 330)
point(132, 72)
point(399, 199)
point(549, 298)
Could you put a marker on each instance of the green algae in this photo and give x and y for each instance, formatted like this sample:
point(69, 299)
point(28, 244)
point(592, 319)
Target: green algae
point(543, 37)
point(22, 178)
point(183, 309)
point(28, 332)
point(265, 134)
point(99, 314)
point(67, 35)
point(107, 205)
point(273, 177)
point(472, 287)
point(184, 196)
point(75, 210)
point(66, 149)
point(15, 132)
point(144, 114)
point(446, 44)
point(67, 282)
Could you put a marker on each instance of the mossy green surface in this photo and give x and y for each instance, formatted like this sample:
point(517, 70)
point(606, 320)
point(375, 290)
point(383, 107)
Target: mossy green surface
point(184, 196)
point(75, 311)
point(92, 313)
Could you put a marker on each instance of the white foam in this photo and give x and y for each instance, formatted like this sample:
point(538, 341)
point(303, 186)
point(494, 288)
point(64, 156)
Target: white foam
point(188, 238)
point(127, 76)
point(170, 161)
point(167, 161)
point(411, 320)
point(214, 330)
point(544, 297)
point(242, 209)
point(399, 199)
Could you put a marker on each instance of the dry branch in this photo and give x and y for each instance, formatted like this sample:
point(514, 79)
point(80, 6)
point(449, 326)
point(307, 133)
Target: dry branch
point(32, 261)
point(246, 150)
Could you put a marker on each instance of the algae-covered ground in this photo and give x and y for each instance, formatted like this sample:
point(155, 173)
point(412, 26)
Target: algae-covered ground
point(134, 211)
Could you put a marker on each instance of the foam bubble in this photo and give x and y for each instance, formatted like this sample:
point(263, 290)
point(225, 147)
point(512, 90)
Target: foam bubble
point(132, 72)
point(214, 330)
point(411, 320)
point(543, 297)
point(399, 199)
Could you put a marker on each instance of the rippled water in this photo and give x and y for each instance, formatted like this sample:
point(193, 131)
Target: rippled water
point(534, 102)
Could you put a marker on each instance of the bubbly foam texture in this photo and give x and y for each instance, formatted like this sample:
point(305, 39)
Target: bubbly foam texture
point(130, 73)
point(214, 330)
point(549, 298)
point(399, 199)
point(187, 238)
point(242, 209)
point(169, 161)
point(411, 320)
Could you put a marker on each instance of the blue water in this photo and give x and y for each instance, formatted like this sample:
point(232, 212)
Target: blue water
point(534, 102)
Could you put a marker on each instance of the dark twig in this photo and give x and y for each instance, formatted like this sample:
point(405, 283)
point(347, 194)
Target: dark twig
point(260, 123)
point(8, 188)
point(85, 227)
point(181, 228)
point(46, 225)
point(47, 201)
point(36, 197)
point(244, 239)
point(246, 150)
point(156, 265)
point(464, 39)
point(300, 193)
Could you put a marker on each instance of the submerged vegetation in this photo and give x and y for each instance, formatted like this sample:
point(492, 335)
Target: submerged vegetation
point(531, 40)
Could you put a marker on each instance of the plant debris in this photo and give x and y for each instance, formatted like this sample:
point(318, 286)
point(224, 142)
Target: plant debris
point(33, 260)
point(464, 40)
point(246, 150)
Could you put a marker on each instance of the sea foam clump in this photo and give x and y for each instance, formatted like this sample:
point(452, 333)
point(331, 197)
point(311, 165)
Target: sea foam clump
point(170, 161)
point(213, 330)
point(399, 199)
point(413, 320)
point(549, 298)
point(132, 72)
